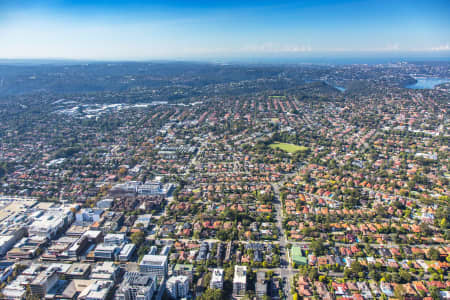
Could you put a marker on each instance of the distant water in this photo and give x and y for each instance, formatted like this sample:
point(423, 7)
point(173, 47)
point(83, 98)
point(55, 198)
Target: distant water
point(427, 83)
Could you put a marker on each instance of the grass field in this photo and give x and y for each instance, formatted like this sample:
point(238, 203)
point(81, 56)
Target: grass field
point(290, 148)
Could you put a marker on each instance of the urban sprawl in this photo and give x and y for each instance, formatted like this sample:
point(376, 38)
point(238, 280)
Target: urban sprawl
point(273, 182)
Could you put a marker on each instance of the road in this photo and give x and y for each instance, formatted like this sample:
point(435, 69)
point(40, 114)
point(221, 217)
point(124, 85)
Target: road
point(286, 272)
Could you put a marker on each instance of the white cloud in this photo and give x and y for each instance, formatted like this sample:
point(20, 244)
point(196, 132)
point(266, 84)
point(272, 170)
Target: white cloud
point(276, 48)
point(392, 47)
point(445, 47)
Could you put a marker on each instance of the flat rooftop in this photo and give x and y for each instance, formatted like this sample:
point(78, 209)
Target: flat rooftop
point(240, 274)
point(217, 275)
point(157, 260)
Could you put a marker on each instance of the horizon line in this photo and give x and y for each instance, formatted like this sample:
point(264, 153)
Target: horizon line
point(246, 56)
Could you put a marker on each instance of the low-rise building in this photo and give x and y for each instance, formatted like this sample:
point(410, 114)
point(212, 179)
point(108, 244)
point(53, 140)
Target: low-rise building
point(184, 269)
point(78, 271)
point(126, 252)
point(49, 222)
point(165, 250)
point(27, 247)
point(216, 279)
point(105, 270)
point(89, 215)
point(114, 239)
point(239, 280)
point(143, 221)
point(43, 282)
point(106, 251)
point(136, 286)
point(155, 265)
point(97, 290)
point(105, 203)
point(7, 241)
point(77, 247)
point(261, 285)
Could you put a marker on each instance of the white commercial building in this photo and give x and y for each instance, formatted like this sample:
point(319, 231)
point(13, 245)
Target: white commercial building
point(98, 290)
point(106, 251)
point(7, 241)
point(126, 252)
point(143, 220)
point(105, 203)
point(89, 215)
point(114, 239)
point(48, 223)
point(106, 270)
point(155, 265)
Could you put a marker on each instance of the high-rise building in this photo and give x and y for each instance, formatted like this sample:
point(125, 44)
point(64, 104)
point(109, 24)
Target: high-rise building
point(178, 286)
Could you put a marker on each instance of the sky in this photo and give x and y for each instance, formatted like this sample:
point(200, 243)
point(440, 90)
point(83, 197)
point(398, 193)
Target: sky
point(145, 30)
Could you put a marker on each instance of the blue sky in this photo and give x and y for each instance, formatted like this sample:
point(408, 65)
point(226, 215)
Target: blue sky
point(138, 30)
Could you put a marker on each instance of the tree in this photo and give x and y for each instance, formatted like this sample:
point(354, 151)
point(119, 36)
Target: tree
point(399, 291)
point(122, 171)
point(222, 235)
point(317, 247)
point(347, 273)
point(443, 223)
point(434, 293)
point(313, 274)
point(356, 267)
point(137, 238)
point(405, 276)
point(196, 235)
point(212, 294)
point(433, 254)
point(435, 276)
point(374, 275)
